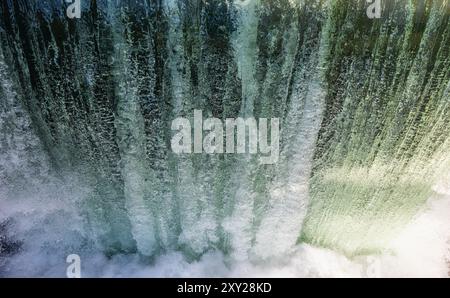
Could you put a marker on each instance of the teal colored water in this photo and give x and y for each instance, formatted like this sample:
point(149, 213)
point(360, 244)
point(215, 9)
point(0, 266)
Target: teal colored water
point(86, 107)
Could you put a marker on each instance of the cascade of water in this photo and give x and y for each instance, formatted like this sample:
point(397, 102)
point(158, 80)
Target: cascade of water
point(363, 105)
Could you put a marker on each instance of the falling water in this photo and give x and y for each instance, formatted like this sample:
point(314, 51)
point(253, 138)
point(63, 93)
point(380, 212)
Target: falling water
point(86, 107)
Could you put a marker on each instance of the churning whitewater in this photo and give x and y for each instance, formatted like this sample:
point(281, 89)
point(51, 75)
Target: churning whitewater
point(361, 175)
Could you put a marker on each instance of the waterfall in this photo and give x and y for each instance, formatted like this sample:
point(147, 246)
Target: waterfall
point(86, 107)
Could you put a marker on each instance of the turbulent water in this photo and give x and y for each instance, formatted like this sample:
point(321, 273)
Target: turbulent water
point(86, 107)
